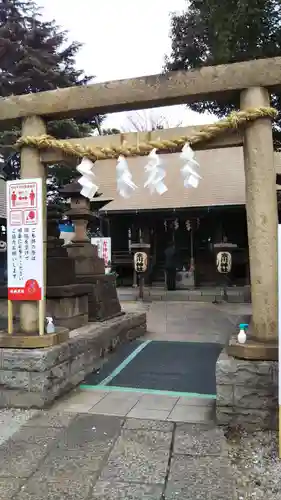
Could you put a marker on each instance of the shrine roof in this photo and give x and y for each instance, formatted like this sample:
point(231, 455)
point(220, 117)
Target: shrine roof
point(222, 184)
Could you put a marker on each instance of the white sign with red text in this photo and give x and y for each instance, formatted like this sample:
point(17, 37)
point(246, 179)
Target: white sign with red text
point(104, 250)
point(25, 240)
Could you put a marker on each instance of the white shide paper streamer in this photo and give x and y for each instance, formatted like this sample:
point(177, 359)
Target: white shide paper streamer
point(155, 174)
point(87, 181)
point(188, 171)
point(124, 178)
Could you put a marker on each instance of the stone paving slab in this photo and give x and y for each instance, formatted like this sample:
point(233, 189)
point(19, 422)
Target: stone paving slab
point(198, 440)
point(139, 456)
point(136, 405)
point(106, 490)
point(40, 488)
point(93, 434)
point(88, 457)
point(198, 478)
point(149, 425)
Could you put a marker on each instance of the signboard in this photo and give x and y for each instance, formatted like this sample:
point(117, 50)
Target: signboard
point(25, 240)
point(104, 249)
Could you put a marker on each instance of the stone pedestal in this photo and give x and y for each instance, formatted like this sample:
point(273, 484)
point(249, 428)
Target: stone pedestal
point(103, 299)
point(247, 393)
point(67, 300)
point(89, 267)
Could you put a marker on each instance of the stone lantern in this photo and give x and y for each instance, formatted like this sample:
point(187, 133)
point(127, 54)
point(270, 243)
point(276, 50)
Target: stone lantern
point(85, 255)
point(89, 267)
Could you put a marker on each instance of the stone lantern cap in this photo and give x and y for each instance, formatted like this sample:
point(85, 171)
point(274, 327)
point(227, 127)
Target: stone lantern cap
point(73, 190)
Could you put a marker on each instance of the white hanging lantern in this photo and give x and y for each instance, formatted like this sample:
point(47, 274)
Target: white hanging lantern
point(87, 181)
point(124, 178)
point(224, 262)
point(155, 174)
point(188, 171)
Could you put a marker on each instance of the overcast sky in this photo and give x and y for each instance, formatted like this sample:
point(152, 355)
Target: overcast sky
point(122, 39)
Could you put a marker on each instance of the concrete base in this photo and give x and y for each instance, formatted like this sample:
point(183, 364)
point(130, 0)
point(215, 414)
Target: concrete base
point(34, 341)
point(34, 378)
point(247, 393)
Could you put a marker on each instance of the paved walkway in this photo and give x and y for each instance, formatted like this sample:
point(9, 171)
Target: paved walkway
point(132, 446)
point(94, 457)
point(190, 321)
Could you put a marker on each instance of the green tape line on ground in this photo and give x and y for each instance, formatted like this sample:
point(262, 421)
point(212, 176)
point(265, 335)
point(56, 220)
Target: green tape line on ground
point(156, 392)
point(124, 363)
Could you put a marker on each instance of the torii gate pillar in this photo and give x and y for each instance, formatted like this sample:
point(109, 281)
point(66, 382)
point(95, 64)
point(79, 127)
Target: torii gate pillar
point(262, 221)
point(31, 167)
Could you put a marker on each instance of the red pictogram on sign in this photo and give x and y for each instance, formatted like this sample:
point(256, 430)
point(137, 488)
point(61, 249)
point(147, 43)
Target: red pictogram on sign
point(23, 195)
point(30, 217)
point(32, 197)
point(13, 198)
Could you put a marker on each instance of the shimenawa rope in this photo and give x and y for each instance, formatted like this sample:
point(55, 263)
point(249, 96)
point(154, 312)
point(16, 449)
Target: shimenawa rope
point(235, 120)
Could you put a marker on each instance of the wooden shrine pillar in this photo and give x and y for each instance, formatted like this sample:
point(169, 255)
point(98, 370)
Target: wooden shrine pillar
point(31, 167)
point(262, 222)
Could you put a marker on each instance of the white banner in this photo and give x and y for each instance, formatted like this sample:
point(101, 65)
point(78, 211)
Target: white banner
point(104, 249)
point(25, 240)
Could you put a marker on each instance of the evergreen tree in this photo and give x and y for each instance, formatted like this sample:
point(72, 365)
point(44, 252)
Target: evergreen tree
point(35, 56)
point(214, 32)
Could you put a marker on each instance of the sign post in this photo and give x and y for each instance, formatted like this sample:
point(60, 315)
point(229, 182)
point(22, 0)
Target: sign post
point(25, 253)
point(279, 334)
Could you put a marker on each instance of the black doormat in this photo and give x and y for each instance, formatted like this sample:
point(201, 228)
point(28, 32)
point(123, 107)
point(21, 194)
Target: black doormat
point(122, 352)
point(182, 367)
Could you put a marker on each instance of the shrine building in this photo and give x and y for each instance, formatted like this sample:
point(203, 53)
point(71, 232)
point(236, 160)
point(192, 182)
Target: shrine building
point(196, 220)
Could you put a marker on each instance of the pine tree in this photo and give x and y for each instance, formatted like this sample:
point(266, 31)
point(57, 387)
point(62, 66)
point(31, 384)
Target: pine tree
point(35, 56)
point(214, 32)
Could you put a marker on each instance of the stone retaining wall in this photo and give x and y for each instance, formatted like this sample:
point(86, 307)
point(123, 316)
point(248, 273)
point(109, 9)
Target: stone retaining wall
point(247, 393)
point(34, 378)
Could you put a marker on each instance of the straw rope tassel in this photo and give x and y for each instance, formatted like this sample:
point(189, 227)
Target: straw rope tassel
point(235, 120)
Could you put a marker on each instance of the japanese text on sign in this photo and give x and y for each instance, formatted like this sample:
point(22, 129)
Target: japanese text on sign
point(104, 249)
point(25, 240)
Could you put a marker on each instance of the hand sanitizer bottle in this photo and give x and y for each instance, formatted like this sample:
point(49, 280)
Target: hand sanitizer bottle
point(242, 337)
point(50, 325)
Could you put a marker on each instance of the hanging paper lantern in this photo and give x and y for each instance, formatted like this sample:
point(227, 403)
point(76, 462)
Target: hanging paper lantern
point(155, 174)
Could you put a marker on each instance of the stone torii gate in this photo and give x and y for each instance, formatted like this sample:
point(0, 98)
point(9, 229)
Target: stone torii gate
point(253, 81)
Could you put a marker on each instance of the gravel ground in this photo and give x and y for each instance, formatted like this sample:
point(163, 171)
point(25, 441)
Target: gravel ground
point(11, 420)
point(256, 466)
